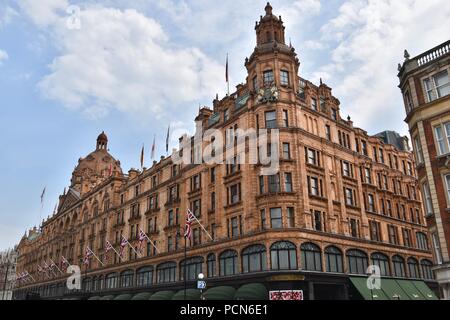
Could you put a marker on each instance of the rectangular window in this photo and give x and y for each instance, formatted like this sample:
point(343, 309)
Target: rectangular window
point(374, 231)
point(261, 185)
point(407, 238)
point(274, 183)
point(255, 83)
point(364, 147)
point(437, 86)
point(447, 183)
point(213, 175)
point(393, 236)
point(368, 176)
point(263, 219)
point(288, 182)
point(419, 151)
point(328, 132)
point(276, 220)
point(271, 119)
point(234, 194)
point(312, 157)
point(234, 227)
point(349, 200)
point(286, 151)
point(334, 114)
point(317, 220)
point(213, 201)
point(381, 155)
point(285, 119)
point(226, 115)
point(354, 228)
point(427, 198)
point(268, 77)
point(284, 78)
point(313, 183)
point(437, 248)
point(371, 203)
point(290, 217)
point(346, 169)
point(314, 104)
point(443, 142)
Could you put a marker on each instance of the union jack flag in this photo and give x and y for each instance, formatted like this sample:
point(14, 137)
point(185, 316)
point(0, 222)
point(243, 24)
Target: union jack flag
point(190, 217)
point(108, 248)
point(142, 237)
point(64, 263)
point(88, 255)
point(123, 244)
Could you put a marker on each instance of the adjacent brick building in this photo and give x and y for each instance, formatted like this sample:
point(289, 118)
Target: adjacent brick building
point(341, 200)
point(425, 85)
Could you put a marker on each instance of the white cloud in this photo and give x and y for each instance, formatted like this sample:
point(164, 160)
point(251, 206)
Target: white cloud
point(122, 60)
point(44, 12)
point(6, 15)
point(3, 56)
point(368, 38)
point(313, 45)
point(298, 11)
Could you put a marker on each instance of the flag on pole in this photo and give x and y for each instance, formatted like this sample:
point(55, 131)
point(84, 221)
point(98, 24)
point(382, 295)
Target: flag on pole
point(108, 248)
point(167, 139)
point(88, 255)
point(64, 263)
point(42, 195)
point(142, 157)
point(190, 217)
point(142, 237)
point(153, 147)
point(123, 244)
point(227, 76)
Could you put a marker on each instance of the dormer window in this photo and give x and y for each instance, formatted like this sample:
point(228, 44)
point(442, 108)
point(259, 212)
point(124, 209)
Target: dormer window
point(226, 115)
point(334, 114)
point(314, 104)
point(408, 102)
point(268, 77)
point(255, 83)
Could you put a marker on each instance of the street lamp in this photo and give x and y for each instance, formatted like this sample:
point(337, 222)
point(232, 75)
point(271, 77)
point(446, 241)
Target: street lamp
point(201, 284)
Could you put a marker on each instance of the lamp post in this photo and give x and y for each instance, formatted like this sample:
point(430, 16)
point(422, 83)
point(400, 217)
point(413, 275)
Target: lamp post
point(201, 284)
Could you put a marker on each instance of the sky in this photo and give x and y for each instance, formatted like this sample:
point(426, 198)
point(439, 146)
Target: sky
point(71, 69)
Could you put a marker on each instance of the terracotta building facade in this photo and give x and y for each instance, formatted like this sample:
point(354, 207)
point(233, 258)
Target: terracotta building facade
point(425, 85)
point(341, 200)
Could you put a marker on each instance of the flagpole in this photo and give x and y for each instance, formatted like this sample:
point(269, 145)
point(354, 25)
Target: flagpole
point(97, 258)
point(151, 242)
point(134, 249)
point(116, 253)
point(56, 266)
point(185, 257)
point(207, 233)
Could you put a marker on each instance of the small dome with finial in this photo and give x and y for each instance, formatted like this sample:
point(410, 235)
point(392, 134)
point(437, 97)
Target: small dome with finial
point(268, 9)
point(102, 141)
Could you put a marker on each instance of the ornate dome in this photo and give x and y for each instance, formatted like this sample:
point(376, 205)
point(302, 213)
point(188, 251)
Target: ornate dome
point(95, 167)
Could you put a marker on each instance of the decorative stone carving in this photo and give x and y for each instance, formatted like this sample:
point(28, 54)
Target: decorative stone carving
point(268, 94)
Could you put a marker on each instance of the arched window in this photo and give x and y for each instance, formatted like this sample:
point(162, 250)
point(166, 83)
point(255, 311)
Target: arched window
point(99, 285)
point(166, 272)
point(86, 286)
point(127, 278)
point(399, 266)
point(211, 260)
point(228, 263)
point(333, 260)
point(426, 265)
point(144, 276)
point(311, 257)
point(194, 266)
point(111, 281)
point(283, 256)
point(382, 261)
point(254, 258)
point(357, 261)
point(413, 268)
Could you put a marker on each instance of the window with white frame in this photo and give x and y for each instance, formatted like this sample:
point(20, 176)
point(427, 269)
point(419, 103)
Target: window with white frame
point(427, 198)
point(437, 248)
point(447, 183)
point(437, 86)
point(419, 151)
point(442, 134)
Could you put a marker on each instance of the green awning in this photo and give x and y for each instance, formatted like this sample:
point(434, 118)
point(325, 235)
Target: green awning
point(162, 295)
point(252, 291)
point(361, 285)
point(191, 294)
point(425, 290)
point(220, 293)
point(125, 296)
point(410, 289)
point(94, 298)
point(142, 296)
point(393, 290)
point(110, 297)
